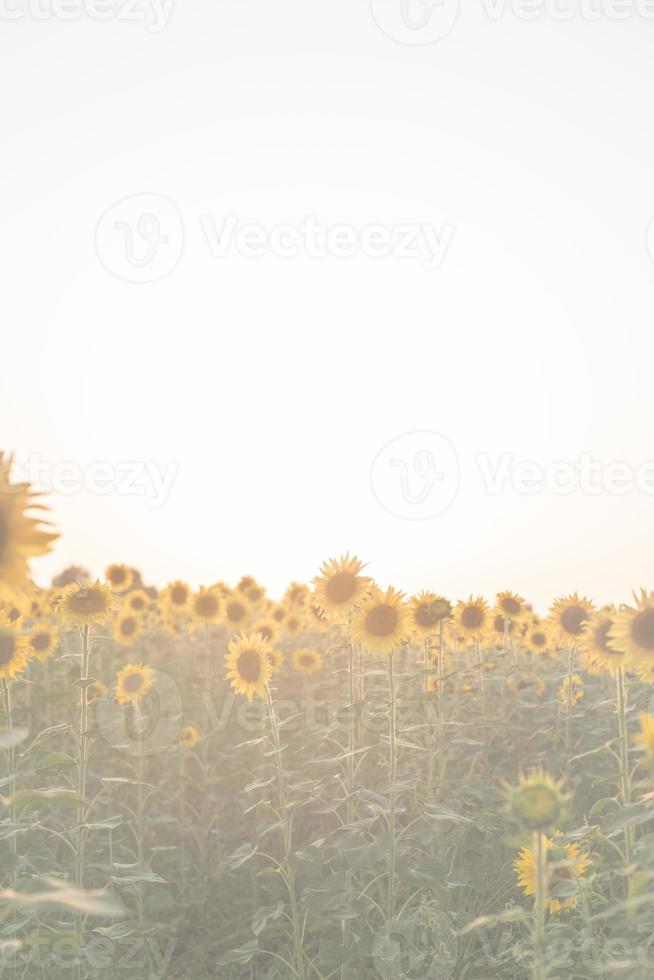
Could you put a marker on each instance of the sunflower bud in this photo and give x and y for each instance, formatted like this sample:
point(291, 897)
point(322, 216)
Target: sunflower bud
point(536, 803)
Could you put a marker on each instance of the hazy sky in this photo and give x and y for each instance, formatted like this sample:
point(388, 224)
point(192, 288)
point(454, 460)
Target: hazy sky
point(490, 288)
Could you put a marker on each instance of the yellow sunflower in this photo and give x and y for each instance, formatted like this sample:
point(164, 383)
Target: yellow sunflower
point(84, 605)
point(248, 665)
point(190, 736)
point(472, 618)
point(177, 597)
point(307, 661)
point(645, 737)
point(278, 612)
point(276, 658)
point(294, 623)
point(339, 587)
point(268, 628)
point(119, 577)
point(137, 601)
point(14, 652)
point(127, 629)
point(43, 640)
point(133, 682)
point(568, 617)
point(207, 606)
point(538, 640)
point(427, 611)
point(537, 802)
point(597, 653)
point(510, 605)
point(564, 862)
point(382, 621)
point(22, 536)
point(633, 632)
point(97, 690)
point(316, 619)
point(296, 594)
point(237, 612)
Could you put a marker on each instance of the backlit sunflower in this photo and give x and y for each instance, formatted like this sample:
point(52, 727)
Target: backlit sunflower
point(127, 629)
point(296, 594)
point(510, 605)
point(633, 632)
point(500, 627)
point(339, 587)
point(316, 619)
point(22, 536)
point(248, 665)
point(177, 597)
point(427, 611)
point(133, 682)
point(307, 661)
point(537, 802)
point(538, 640)
point(278, 612)
point(190, 736)
point(564, 862)
point(382, 621)
point(43, 640)
point(237, 612)
point(472, 618)
point(268, 628)
point(207, 606)
point(14, 652)
point(568, 617)
point(84, 605)
point(119, 577)
point(294, 623)
point(276, 658)
point(645, 737)
point(137, 601)
point(597, 654)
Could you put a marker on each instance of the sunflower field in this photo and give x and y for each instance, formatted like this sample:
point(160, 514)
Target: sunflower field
point(340, 782)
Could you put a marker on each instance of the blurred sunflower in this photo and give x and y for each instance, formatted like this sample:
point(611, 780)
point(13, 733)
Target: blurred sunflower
point(14, 652)
point(278, 612)
point(22, 536)
point(207, 606)
point(248, 665)
point(296, 594)
point(472, 618)
point(43, 640)
point(537, 639)
point(137, 601)
point(85, 605)
point(537, 802)
point(119, 577)
point(268, 629)
point(276, 658)
point(565, 861)
point(316, 619)
point(339, 587)
point(510, 605)
point(645, 737)
point(500, 626)
point(190, 736)
point(127, 628)
point(237, 612)
point(427, 611)
point(633, 632)
point(98, 690)
point(526, 682)
point(247, 582)
point(382, 621)
point(133, 682)
point(294, 623)
point(307, 661)
point(177, 597)
point(568, 617)
point(597, 653)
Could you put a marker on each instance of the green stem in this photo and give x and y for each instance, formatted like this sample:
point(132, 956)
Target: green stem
point(540, 857)
point(568, 716)
point(11, 759)
point(392, 735)
point(83, 754)
point(625, 777)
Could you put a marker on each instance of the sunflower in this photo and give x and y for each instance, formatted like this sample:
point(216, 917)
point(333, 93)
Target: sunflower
point(137, 601)
point(536, 803)
point(597, 654)
point(43, 640)
point(564, 862)
point(382, 621)
point(294, 623)
point(316, 618)
point(568, 617)
point(207, 606)
point(21, 536)
point(501, 626)
point(98, 690)
point(237, 612)
point(307, 661)
point(276, 658)
point(84, 605)
point(14, 652)
point(190, 736)
point(119, 577)
point(427, 611)
point(278, 612)
point(127, 629)
point(339, 587)
point(645, 737)
point(248, 665)
point(472, 618)
point(177, 596)
point(510, 605)
point(268, 628)
point(296, 594)
point(537, 639)
point(572, 689)
point(247, 582)
point(133, 682)
point(633, 632)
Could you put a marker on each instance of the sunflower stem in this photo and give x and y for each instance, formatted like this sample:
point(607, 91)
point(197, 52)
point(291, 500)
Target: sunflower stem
point(568, 715)
point(392, 737)
point(83, 755)
point(286, 830)
point(482, 688)
point(540, 899)
point(11, 759)
point(625, 777)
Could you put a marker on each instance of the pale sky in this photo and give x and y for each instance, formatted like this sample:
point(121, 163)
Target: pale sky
point(267, 386)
